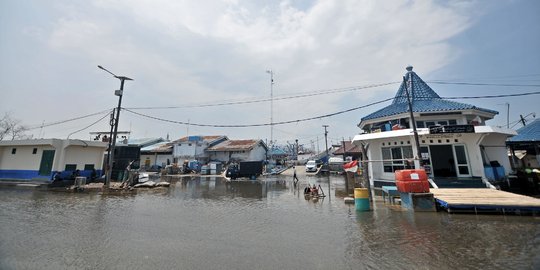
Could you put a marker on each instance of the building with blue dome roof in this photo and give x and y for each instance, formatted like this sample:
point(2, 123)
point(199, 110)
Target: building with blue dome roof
point(455, 144)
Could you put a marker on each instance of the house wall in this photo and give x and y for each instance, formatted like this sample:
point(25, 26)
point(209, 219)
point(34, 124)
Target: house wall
point(471, 142)
point(23, 159)
point(81, 156)
point(256, 154)
point(25, 165)
point(160, 159)
point(190, 150)
point(495, 149)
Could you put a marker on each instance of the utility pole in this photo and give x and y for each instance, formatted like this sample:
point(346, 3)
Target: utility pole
point(343, 145)
point(508, 115)
point(409, 88)
point(296, 149)
point(118, 93)
point(326, 139)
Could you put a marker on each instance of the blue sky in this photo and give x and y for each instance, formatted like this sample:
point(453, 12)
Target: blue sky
point(206, 52)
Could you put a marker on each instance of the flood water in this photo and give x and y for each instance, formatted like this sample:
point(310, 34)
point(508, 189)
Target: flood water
point(206, 223)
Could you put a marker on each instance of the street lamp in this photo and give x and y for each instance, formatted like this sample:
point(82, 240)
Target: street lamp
point(118, 93)
point(271, 104)
point(271, 112)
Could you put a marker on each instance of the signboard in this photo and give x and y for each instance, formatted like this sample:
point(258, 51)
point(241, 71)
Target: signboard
point(451, 129)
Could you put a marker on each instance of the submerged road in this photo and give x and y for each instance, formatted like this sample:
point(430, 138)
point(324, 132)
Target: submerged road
point(207, 223)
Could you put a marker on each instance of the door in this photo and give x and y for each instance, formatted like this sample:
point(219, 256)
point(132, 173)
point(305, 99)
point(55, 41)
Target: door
point(462, 163)
point(442, 160)
point(47, 159)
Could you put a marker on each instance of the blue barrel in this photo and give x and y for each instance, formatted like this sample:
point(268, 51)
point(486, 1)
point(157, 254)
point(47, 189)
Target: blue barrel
point(361, 199)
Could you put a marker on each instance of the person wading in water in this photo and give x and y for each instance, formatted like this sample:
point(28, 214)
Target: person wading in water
point(295, 178)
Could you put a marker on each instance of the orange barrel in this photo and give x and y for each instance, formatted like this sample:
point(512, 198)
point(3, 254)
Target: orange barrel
point(361, 199)
point(411, 175)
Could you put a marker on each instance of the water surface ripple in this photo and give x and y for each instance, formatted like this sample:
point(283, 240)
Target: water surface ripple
point(206, 223)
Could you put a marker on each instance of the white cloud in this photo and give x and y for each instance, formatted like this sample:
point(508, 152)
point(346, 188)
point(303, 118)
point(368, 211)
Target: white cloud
point(201, 51)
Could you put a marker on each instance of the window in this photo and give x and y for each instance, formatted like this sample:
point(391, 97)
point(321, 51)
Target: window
point(70, 167)
point(34, 151)
point(427, 124)
point(461, 158)
point(13, 151)
point(88, 167)
point(394, 156)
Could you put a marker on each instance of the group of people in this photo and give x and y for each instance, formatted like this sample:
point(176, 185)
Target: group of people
point(311, 190)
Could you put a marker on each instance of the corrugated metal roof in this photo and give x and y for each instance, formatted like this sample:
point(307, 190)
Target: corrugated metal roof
point(162, 147)
point(423, 99)
point(349, 149)
point(143, 142)
point(528, 133)
point(236, 145)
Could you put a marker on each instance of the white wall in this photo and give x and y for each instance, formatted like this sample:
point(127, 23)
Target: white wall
point(190, 149)
point(81, 156)
point(159, 160)
point(23, 159)
point(470, 141)
point(495, 149)
point(256, 154)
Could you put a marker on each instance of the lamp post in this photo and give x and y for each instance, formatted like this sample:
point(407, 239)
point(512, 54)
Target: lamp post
point(118, 93)
point(271, 112)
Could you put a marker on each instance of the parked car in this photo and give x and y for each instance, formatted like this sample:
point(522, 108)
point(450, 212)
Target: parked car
point(311, 166)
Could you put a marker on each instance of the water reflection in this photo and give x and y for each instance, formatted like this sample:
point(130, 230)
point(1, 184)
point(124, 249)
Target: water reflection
point(208, 223)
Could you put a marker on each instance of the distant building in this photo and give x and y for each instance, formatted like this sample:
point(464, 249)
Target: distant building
point(526, 146)
point(238, 150)
point(348, 149)
point(194, 147)
point(159, 154)
point(455, 143)
point(38, 159)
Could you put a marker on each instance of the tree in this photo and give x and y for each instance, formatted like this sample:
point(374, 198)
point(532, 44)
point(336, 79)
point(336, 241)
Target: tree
point(11, 128)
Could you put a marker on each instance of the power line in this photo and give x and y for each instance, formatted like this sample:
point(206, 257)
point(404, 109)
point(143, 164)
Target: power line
point(485, 84)
point(107, 114)
point(299, 95)
point(315, 117)
point(496, 96)
point(258, 125)
point(68, 120)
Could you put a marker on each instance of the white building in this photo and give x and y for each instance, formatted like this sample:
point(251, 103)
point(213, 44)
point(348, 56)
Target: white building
point(455, 144)
point(38, 159)
point(238, 150)
point(194, 147)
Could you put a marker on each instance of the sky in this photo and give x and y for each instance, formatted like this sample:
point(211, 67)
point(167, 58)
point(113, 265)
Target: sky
point(191, 59)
